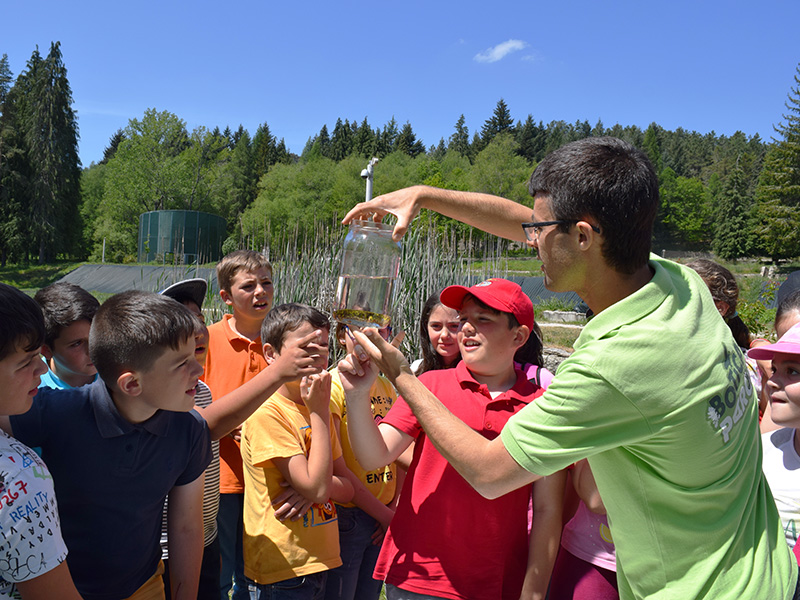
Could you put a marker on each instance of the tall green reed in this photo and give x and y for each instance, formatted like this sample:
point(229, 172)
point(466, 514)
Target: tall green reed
point(306, 265)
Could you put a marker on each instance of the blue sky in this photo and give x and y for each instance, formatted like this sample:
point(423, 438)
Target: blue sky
point(704, 66)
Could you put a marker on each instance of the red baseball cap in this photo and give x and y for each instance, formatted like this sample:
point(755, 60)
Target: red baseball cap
point(499, 294)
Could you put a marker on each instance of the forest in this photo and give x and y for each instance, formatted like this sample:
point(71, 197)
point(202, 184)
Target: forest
point(736, 196)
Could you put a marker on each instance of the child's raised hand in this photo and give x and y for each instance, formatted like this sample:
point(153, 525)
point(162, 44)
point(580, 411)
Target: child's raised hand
point(299, 358)
point(384, 354)
point(357, 373)
point(315, 390)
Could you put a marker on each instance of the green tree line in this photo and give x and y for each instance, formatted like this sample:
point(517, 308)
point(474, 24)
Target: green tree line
point(737, 195)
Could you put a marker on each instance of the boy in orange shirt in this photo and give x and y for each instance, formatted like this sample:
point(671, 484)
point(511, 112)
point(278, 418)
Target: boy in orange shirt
point(235, 356)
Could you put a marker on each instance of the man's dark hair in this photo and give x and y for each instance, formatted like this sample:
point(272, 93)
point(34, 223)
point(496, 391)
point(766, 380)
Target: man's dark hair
point(609, 183)
point(133, 329)
point(289, 317)
point(62, 305)
point(21, 322)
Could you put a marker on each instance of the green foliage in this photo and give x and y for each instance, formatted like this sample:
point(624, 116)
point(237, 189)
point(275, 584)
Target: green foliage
point(778, 191)
point(685, 207)
point(554, 303)
point(754, 313)
point(499, 170)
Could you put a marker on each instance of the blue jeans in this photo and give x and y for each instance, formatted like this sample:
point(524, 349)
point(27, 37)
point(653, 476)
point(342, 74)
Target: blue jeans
point(353, 580)
point(230, 526)
point(395, 593)
point(308, 587)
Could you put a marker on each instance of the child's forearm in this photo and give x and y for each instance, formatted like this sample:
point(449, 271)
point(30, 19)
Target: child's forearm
point(361, 496)
point(341, 490)
point(320, 460)
point(366, 440)
point(185, 538)
point(548, 498)
point(229, 412)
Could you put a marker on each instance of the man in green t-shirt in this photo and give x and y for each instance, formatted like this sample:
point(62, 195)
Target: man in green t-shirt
point(656, 394)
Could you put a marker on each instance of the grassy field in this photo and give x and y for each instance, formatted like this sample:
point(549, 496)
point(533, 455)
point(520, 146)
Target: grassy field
point(32, 277)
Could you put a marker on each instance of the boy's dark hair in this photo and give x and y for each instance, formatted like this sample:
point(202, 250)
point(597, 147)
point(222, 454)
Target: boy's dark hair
point(239, 260)
point(133, 329)
point(62, 305)
point(431, 360)
point(288, 317)
point(609, 182)
point(531, 352)
point(21, 322)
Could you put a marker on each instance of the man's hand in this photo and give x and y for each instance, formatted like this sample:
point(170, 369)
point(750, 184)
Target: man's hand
point(385, 355)
point(315, 390)
point(404, 204)
point(298, 358)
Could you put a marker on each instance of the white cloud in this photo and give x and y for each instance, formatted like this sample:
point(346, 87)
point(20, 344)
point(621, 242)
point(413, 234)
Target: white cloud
point(500, 51)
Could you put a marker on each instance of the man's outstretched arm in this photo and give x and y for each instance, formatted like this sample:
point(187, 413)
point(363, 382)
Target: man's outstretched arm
point(485, 464)
point(494, 214)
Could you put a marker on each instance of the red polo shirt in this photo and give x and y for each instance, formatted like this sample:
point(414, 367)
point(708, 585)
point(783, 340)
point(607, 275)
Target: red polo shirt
point(446, 539)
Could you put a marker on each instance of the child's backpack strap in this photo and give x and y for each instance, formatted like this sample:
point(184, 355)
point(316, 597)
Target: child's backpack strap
point(535, 375)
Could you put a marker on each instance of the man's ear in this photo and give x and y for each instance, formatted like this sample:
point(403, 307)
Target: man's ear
point(129, 384)
point(226, 297)
point(47, 352)
point(587, 235)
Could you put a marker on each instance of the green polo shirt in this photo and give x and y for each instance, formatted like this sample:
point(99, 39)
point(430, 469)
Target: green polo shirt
point(657, 396)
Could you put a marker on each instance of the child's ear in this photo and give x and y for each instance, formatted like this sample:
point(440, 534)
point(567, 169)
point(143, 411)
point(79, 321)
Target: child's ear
point(521, 336)
point(129, 384)
point(226, 297)
point(269, 353)
point(47, 352)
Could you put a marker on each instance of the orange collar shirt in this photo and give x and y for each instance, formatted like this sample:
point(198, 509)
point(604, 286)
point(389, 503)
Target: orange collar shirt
point(232, 360)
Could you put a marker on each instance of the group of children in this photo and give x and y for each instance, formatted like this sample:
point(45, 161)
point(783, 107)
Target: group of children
point(285, 481)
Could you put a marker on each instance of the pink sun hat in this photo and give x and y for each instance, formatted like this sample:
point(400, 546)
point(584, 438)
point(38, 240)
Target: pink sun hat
point(788, 344)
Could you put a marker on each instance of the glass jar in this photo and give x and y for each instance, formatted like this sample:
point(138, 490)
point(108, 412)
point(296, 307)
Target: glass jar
point(367, 278)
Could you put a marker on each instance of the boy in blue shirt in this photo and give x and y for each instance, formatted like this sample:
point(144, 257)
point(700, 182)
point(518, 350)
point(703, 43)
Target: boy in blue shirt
point(68, 311)
point(33, 550)
point(117, 447)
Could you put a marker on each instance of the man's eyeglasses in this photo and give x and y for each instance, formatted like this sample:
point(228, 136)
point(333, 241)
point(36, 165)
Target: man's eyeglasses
point(532, 230)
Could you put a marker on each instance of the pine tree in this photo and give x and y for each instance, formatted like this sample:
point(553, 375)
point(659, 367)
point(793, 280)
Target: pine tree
point(407, 142)
point(500, 122)
point(387, 139)
point(51, 136)
point(324, 142)
point(778, 192)
point(459, 141)
point(341, 140)
point(264, 150)
point(113, 144)
point(531, 140)
point(364, 140)
point(732, 237)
